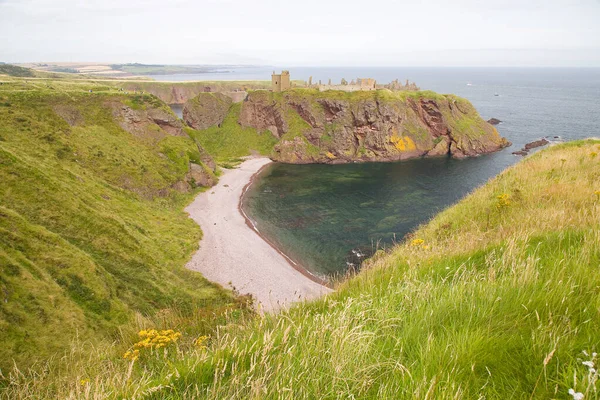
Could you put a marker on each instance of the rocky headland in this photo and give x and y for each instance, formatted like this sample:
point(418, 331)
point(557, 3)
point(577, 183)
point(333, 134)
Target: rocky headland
point(340, 127)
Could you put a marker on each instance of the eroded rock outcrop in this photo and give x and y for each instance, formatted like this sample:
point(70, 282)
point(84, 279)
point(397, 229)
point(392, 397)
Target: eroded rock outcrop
point(152, 121)
point(206, 110)
point(149, 122)
point(336, 127)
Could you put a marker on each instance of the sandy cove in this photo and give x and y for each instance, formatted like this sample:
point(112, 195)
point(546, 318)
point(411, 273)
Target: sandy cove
point(231, 253)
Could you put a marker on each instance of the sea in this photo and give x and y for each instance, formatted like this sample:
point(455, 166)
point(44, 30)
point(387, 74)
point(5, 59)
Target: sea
point(329, 218)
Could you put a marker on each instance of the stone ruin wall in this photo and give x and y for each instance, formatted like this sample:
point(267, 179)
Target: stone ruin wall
point(362, 84)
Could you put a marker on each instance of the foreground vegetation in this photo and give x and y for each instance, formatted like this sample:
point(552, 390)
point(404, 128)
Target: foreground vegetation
point(93, 238)
point(496, 297)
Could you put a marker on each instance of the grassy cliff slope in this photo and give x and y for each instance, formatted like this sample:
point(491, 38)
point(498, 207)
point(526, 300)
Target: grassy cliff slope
point(92, 232)
point(497, 297)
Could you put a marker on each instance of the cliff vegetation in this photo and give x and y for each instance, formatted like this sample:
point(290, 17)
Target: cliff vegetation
point(93, 239)
point(496, 297)
point(310, 126)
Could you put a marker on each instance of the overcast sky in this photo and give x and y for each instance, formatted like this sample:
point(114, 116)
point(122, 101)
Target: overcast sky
point(308, 32)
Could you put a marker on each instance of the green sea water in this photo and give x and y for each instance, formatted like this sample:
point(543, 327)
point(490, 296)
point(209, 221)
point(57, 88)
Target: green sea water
point(329, 218)
point(322, 215)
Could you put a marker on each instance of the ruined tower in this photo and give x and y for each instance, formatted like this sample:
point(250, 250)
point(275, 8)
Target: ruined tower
point(280, 82)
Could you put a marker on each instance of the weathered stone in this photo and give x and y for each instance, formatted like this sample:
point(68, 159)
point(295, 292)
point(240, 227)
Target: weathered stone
point(206, 110)
point(261, 113)
point(199, 175)
point(370, 129)
point(536, 143)
point(144, 122)
point(494, 121)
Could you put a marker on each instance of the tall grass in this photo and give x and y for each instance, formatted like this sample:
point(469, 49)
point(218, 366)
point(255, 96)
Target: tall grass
point(497, 297)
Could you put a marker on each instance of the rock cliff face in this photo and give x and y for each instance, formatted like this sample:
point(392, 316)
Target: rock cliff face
point(156, 122)
point(337, 127)
point(206, 110)
point(153, 123)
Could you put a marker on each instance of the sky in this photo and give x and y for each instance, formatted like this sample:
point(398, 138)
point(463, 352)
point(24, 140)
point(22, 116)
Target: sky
point(303, 33)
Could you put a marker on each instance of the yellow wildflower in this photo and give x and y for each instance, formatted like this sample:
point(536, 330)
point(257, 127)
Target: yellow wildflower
point(417, 242)
point(503, 201)
point(131, 355)
point(84, 382)
point(200, 343)
point(593, 154)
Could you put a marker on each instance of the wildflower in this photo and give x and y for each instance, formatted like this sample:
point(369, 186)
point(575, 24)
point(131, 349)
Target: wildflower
point(593, 154)
point(503, 201)
point(597, 193)
point(417, 242)
point(131, 355)
point(200, 343)
point(589, 364)
point(576, 395)
point(152, 339)
point(84, 382)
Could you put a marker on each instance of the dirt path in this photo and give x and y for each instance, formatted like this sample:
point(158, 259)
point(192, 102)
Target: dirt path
point(233, 254)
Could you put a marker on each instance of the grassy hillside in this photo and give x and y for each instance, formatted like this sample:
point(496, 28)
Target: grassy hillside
point(92, 232)
point(497, 297)
point(231, 141)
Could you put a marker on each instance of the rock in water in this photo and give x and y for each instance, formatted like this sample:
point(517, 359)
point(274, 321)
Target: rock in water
point(537, 143)
point(494, 121)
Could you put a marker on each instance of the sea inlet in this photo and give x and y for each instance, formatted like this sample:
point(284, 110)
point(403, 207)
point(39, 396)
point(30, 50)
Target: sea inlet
point(330, 218)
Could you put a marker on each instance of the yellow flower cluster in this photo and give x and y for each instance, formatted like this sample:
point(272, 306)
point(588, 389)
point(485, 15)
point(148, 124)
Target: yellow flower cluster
point(419, 243)
point(131, 354)
point(156, 339)
point(597, 193)
point(200, 343)
point(503, 201)
point(593, 154)
point(151, 339)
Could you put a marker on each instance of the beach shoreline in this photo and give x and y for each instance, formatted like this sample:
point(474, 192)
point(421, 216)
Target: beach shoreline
point(233, 252)
point(295, 264)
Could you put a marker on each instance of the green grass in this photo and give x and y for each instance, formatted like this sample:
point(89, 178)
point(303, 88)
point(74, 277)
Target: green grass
point(92, 234)
point(500, 304)
point(491, 299)
point(231, 140)
point(13, 70)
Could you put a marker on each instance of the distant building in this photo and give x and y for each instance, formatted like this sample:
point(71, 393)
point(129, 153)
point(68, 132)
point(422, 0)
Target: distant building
point(280, 82)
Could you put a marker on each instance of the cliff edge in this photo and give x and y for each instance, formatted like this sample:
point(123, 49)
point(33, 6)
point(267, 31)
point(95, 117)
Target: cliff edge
point(338, 127)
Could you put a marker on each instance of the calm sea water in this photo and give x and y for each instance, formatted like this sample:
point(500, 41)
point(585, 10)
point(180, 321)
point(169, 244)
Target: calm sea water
point(325, 216)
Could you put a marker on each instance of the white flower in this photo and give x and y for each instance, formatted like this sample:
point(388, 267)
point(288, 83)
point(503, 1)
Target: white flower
point(576, 395)
point(589, 364)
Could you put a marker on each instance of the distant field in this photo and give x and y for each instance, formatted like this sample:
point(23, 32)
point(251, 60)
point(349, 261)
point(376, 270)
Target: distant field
point(125, 70)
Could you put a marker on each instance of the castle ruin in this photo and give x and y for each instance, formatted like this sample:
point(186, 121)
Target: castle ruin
point(280, 82)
